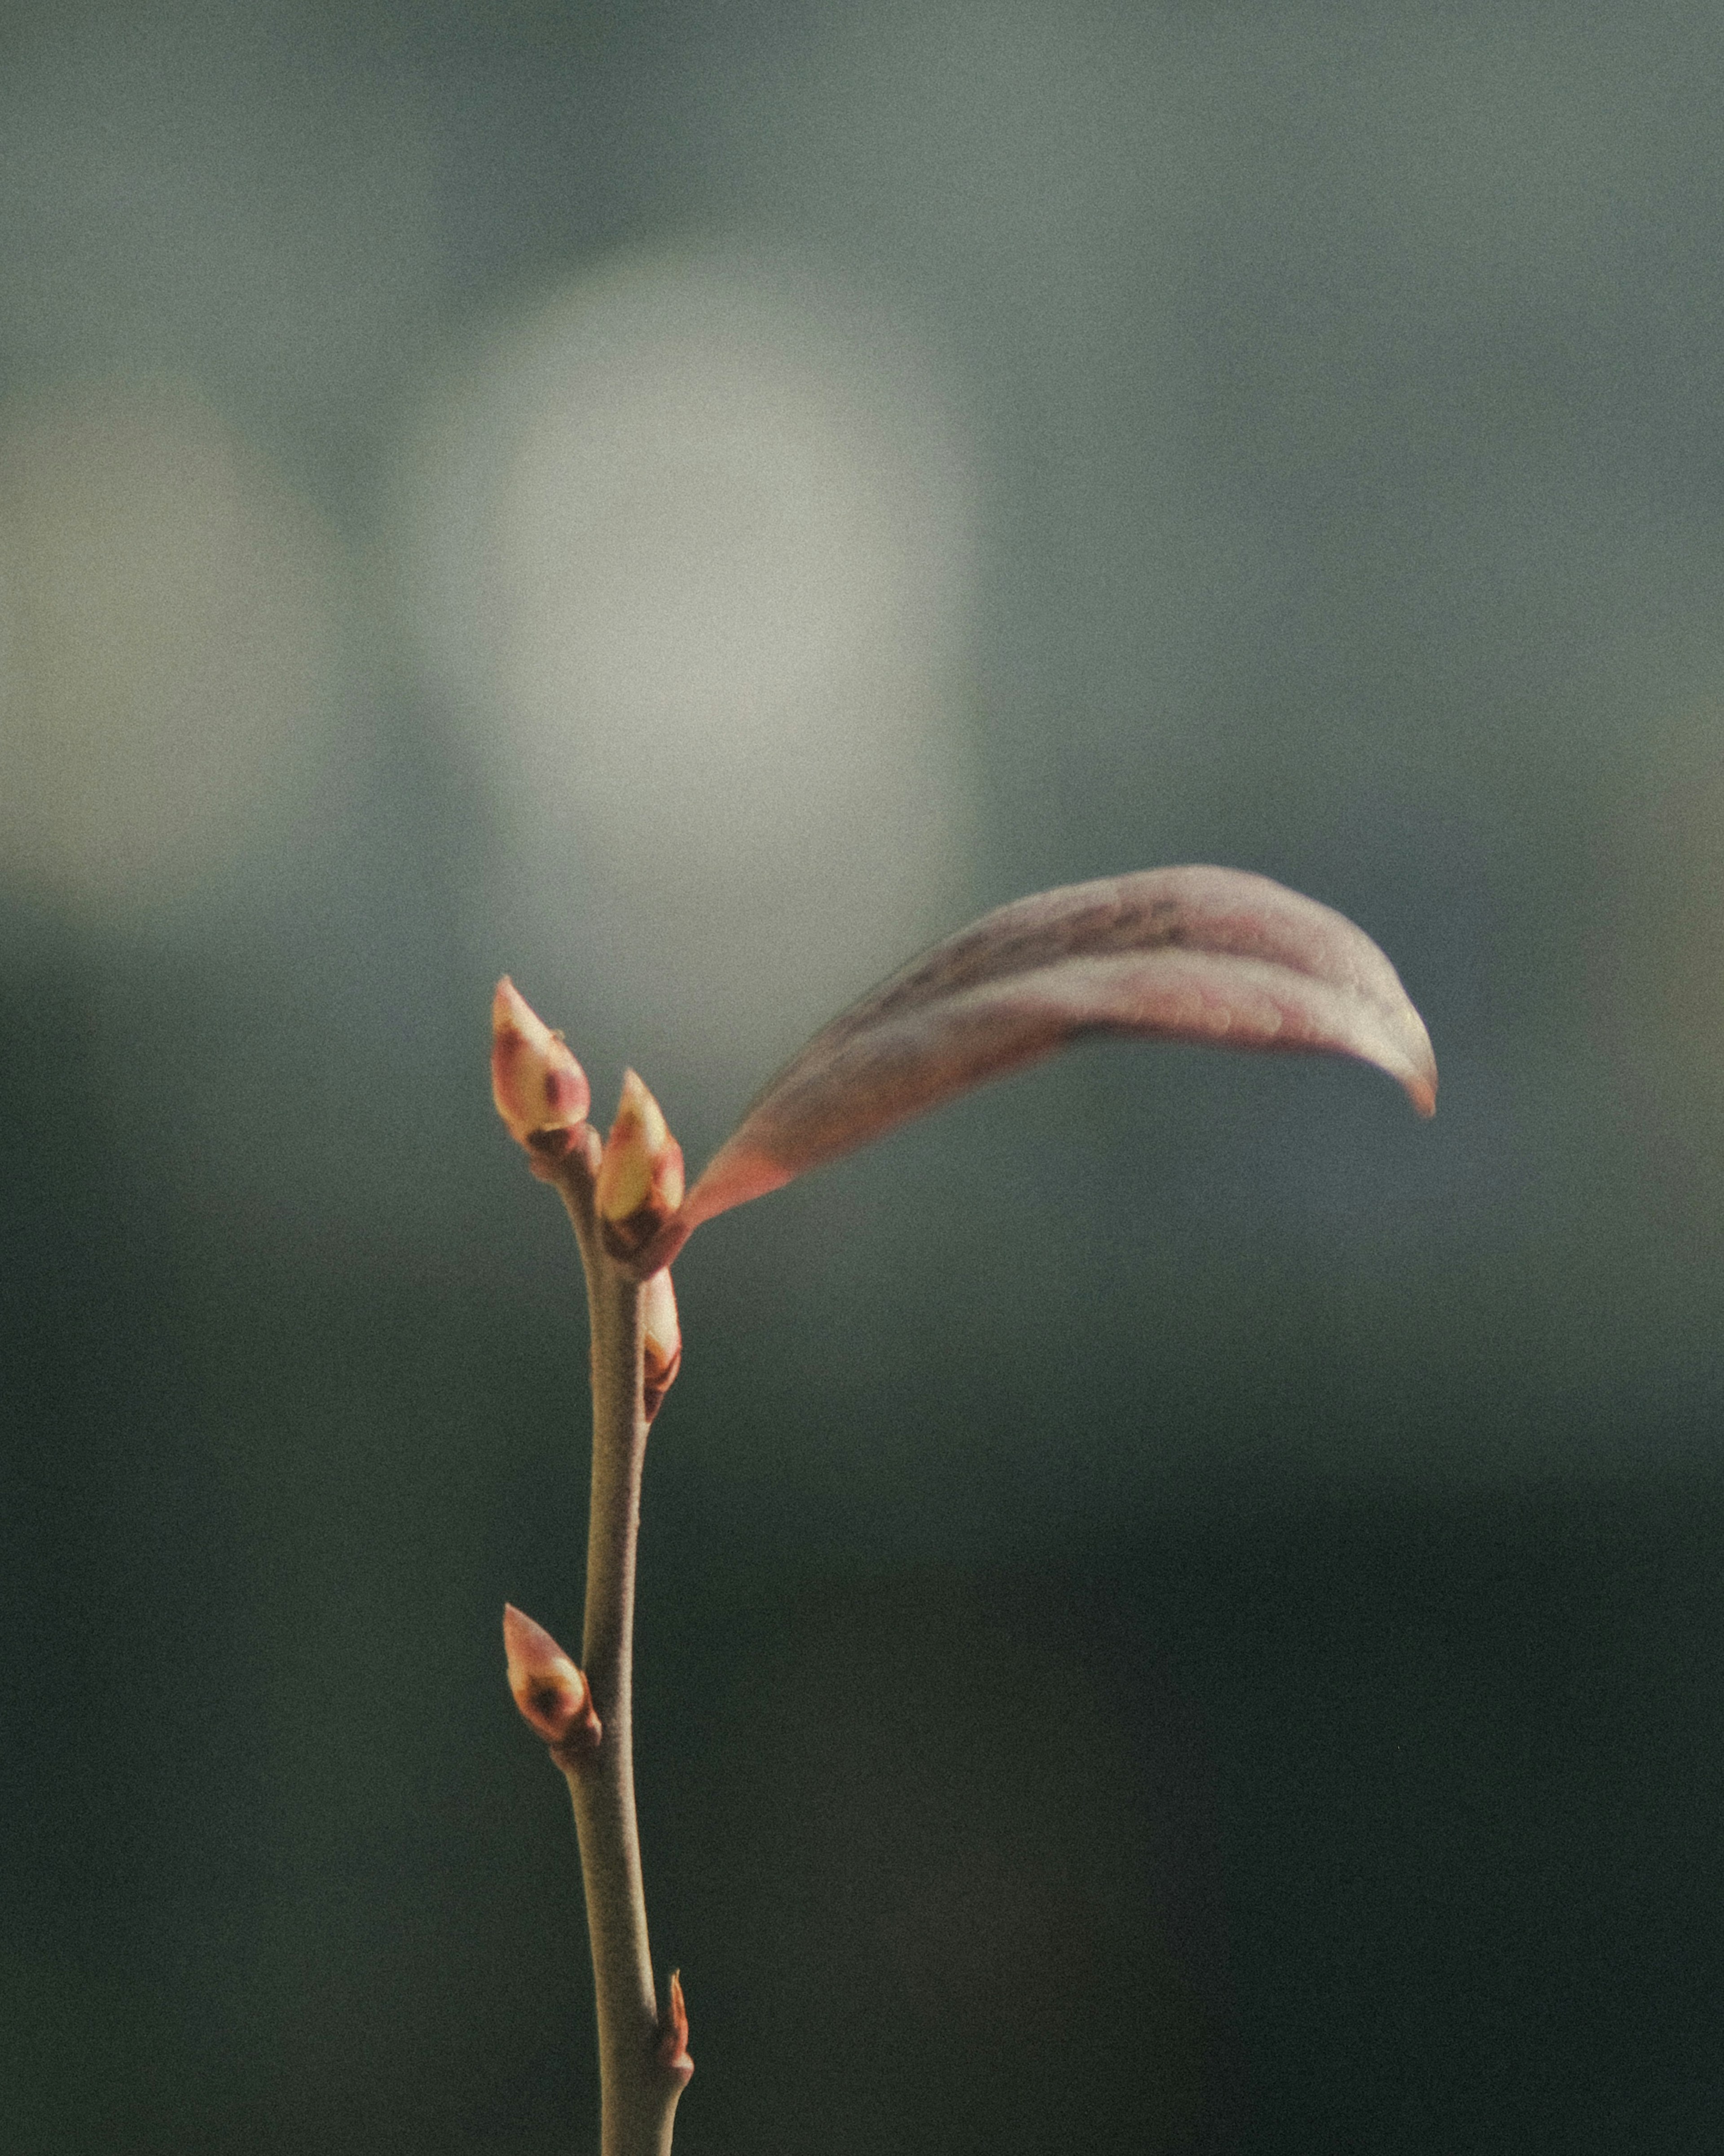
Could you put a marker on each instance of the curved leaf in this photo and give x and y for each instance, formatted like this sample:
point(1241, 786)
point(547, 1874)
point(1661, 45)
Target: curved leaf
point(1217, 956)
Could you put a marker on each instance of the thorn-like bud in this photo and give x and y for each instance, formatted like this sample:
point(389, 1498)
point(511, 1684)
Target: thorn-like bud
point(640, 1177)
point(541, 1092)
point(661, 1352)
point(551, 1692)
point(673, 2045)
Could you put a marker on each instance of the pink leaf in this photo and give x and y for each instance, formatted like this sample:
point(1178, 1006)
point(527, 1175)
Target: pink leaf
point(1217, 956)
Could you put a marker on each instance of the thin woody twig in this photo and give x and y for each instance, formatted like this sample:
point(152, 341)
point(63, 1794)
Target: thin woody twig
point(640, 2085)
point(584, 1715)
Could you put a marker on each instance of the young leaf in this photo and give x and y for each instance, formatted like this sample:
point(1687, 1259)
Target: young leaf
point(1210, 955)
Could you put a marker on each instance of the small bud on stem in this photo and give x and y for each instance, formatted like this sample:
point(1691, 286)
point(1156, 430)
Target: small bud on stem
point(661, 1358)
point(640, 1177)
point(673, 2049)
point(541, 1092)
point(551, 1692)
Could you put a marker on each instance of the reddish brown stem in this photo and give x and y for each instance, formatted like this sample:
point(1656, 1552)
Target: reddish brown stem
point(641, 2075)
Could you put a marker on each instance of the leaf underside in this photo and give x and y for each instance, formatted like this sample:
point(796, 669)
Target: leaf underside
point(1213, 956)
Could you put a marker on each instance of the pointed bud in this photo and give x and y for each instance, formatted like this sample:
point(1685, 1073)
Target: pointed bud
point(662, 1354)
point(541, 1092)
point(551, 1692)
point(673, 2045)
point(640, 1179)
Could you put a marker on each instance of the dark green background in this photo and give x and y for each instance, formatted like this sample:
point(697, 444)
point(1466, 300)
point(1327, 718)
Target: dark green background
point(1180, 1608)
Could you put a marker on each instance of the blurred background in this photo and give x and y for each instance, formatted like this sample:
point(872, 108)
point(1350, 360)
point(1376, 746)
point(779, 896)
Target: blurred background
point(1180, 1608)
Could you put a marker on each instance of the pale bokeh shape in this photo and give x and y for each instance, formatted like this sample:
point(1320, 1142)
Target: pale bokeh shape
point(688, 550)
point(168, 646)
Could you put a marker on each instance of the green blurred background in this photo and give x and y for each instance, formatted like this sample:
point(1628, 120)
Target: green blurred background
point(1180, 1608)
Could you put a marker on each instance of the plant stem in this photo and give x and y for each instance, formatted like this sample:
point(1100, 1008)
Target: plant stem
point(643, 2066)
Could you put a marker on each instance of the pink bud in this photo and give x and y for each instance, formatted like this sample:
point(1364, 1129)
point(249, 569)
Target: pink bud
point(541, 1092)
point(663, 1355)
point(640, 1177)
point(673, 2044)
point(551, 1692)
